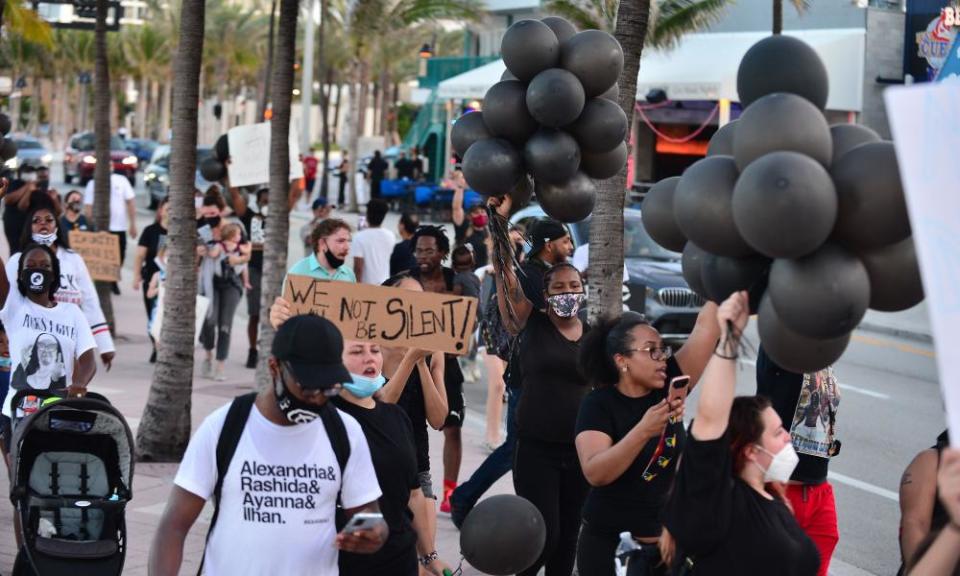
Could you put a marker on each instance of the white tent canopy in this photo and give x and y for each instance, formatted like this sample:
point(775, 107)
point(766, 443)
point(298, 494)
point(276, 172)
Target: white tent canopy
point(704, 67)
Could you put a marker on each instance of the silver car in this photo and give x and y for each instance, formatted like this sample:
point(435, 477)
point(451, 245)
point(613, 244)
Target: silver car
point(30, 152)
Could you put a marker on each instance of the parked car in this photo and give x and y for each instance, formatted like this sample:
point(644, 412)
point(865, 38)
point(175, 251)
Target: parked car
point(80, 160)
point(655, 285)
point(30, 152)
point(142, 148)
point(156, 175)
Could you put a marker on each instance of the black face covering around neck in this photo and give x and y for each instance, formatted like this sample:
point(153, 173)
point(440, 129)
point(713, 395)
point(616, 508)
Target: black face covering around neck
point(332, 260)
point(295, 410)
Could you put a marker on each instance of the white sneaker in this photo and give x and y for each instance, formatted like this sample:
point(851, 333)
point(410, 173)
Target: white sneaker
point(207, 369)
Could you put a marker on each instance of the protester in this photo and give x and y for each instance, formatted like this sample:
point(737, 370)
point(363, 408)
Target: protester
point(378, 171)
point(4, 385)
point(331, 245)
point(343, 173)
point(73, 217)
point(629, 437)
point(939, 555)
point(19, 193)
point(404, 167)
point(75, 286)
point(550, 244)
point(921, 511)
point(153, 238)
point(310, 164)
point(728, 510)
point(298, 535)
point(223, 268)
point(402, 258)
point(255, 225)
point(467, 283)
point(470, 228)
point(416, 161)
point(373, 245)
point(807, 404)
point(321, 211)
point(154, 285)
point(123, 211)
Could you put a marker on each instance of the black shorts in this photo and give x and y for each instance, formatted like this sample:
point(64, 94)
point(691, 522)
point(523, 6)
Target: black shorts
point(453, 382)
point(253, 294)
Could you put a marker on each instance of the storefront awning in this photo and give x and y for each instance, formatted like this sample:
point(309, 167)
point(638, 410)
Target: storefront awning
point(704, 67)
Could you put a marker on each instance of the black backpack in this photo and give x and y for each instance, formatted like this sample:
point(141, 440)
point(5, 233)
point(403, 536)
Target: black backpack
point(230, 438)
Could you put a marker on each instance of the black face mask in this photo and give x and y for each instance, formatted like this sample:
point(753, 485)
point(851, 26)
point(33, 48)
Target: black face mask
point(332, 260)
point(295, 410)
point(35, 280)
point(213, 221)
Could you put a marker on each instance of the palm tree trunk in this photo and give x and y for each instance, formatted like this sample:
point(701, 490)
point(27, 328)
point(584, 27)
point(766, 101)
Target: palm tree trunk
point(336, 109)
point(165, 427)
point(355, 130)
point(101, 187)
point(142, 107)
point(386, 103)
point(278, 220)
point(165, 110)
point(326, 89)
point(268, 74)
point(777, 16)
point(606, 231)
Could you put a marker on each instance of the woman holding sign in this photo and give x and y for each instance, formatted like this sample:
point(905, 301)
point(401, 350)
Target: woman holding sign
point(76, 286)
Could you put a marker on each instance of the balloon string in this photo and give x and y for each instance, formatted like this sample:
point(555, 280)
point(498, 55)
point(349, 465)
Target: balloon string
point(686, 138)
point(503, 253)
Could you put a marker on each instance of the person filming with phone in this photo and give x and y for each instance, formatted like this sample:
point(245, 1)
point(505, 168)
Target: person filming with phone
point(630, 434)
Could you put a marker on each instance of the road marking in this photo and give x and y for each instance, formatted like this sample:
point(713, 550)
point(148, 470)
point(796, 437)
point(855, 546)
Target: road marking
point(901, 346)
point(865, 486)
point(857, 389)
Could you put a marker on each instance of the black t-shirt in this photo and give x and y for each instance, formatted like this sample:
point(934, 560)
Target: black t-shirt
point(13, 218)
point(256, 226)
point(378, 168)
point(402, 258)
point(153, 238)
point(634, 501)
point(452, 374)
point(411, 400)
point(552, 385)
point(805, 403)
point(465, 234)
point(727, 526)
point(80, 224)
point(390, 437)
point(404, 168)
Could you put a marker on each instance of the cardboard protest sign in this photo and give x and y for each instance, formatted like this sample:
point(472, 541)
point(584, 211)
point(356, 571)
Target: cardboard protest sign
point(926, 130)
point(387, 316)
point(100, 252)
point(250, 155)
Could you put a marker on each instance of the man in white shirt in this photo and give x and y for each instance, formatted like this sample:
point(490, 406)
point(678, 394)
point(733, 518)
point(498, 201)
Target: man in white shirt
point(277, 506)
point(123, 211)
point(373, 246)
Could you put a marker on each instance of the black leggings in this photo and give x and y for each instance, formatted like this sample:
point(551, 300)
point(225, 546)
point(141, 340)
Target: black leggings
point(549, 476)
point(595, 551)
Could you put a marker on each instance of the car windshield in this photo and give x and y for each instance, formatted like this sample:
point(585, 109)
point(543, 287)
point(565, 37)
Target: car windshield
point(162, 156)
point(88, 142)
point(28, 145)
point(638, 244)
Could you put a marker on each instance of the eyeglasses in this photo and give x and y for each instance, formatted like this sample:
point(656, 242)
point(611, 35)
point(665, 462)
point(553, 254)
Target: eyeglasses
point(656, 354)
point(47, 220)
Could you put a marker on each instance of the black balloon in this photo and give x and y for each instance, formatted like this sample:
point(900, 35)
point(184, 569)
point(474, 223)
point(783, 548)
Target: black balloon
point(784, 205)
point(846, 137)
point(612, 94)
point(222, 148)
point(571, 201)
point(722, 276)
point(792, 351)
point(520, 194)
point(5, 124)
point(601, 127)
point(703, 206)
point(782, 64)
point(528, 48)
point(605, 164)
point(507, 75)
point(658, 215)
point(492, 166)
point(782, 122)
point(466, 130)
point(562, 28)
point(555, 97)
point(595, 57)
point(873, 210)
point(552, 156)
point(212, 169)
point(8, 149)
point(721, 144)
point(502, 535)
point(823, 295)
point(505, 112)
point(894, 276)
point(692, 267)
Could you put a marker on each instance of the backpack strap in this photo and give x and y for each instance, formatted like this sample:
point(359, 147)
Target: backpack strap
point(337, 433)
point(227, 443)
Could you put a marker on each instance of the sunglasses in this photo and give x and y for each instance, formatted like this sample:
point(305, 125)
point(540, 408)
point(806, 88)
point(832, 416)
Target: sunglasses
point(657, 354)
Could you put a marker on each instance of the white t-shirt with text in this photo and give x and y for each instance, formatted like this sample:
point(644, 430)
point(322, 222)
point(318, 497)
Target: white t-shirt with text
point(374, 245)
point(120, 192)
point(277, 508)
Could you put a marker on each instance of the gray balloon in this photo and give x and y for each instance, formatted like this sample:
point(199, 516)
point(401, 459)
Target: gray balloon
point(782, 122)
point(505, 112)
point(492, 166)
point(782, 64)
point(8, 149)
point(895, 282)
point(612, 94)
point(5, 124)
point(846, 137)
point(528, 48)
point(552, 156)
point(595, 57)
point(605, 164)
point(721, 144)
point(571, 201)
point(658, 215)
point(703, 206)
point(466, 130)
point(823, 295)
point(722, 276)
point(785, 205)
point(873, 210)
point(561, 27)
point(601, 127)
point(502, 535)
point(692, 266)
point(792, 351)
point(508, 75)
point(555, 97)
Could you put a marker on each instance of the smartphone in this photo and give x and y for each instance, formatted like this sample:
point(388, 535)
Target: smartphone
point(362, 521)
point(679, 387)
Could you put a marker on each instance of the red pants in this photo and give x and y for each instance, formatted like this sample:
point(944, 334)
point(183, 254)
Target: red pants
point(816, 512)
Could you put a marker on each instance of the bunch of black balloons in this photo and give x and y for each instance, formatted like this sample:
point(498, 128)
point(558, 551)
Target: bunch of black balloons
point(553, 116)
point(214, 168)
point(8, 148)
point(810, 218)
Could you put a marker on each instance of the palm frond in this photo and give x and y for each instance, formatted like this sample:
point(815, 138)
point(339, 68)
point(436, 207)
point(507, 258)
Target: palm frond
point(584, 14)
point(800, 5)
point(21, 20)
point(674, 18)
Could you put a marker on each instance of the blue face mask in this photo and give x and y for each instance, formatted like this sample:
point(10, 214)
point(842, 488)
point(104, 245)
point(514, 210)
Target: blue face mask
point(363, 387)
point(5, 362)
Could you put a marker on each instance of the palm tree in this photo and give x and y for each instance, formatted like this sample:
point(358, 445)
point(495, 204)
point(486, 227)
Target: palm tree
point(20, 19)
point(800, 5)
point(101, 126)
point(147, 50)
point(165, 427)
point(268, 72)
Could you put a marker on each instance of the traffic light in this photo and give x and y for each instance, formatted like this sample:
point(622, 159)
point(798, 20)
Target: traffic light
point(85, 8)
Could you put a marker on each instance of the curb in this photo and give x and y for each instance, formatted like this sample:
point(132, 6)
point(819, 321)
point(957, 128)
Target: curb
point(906, 334)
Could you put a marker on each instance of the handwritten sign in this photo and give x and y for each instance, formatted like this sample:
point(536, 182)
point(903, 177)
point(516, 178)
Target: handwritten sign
point(387, 316)
point(100, 252)
point(250, 155)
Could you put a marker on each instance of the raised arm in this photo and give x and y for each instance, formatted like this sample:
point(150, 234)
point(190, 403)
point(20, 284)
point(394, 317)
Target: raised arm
point(434, 391)
point(393, 389)
point(456, 212)
point(509, 292)
point(696, 351)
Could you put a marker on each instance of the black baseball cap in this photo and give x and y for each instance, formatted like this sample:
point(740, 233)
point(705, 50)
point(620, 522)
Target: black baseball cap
point(546, 230)
point(312, 347)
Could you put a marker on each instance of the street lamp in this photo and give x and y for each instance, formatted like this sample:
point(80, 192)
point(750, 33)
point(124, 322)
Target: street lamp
point(426, 52)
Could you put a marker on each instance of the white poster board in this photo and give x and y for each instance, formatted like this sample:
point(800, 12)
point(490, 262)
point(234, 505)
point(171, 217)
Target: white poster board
point(926, 131)
point(250, 155)
point(203, 304)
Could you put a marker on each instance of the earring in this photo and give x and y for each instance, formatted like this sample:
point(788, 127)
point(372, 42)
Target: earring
point(623, 369)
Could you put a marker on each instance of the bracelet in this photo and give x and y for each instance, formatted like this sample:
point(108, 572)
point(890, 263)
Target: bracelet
point(725, 357)
point(426, 560)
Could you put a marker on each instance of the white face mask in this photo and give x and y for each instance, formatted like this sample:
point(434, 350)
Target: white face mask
point(782, 466)
point(29, 177)
point(45, 239)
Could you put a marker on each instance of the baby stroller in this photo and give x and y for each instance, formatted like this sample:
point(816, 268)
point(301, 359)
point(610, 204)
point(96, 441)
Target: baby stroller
point(72, 465)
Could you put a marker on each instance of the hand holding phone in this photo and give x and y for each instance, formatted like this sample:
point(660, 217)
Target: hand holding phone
point(679, 387)
point(365, 532)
